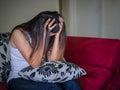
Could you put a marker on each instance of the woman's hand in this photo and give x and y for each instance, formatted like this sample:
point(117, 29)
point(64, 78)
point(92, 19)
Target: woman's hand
point(51, 26)
point(60, 26)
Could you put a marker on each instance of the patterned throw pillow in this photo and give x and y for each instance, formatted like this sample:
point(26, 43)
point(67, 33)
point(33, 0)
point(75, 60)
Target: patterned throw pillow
point(4, 57)
point(57, 71)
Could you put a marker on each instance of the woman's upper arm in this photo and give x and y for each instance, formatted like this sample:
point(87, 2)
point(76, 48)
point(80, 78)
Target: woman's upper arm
point(19, 41)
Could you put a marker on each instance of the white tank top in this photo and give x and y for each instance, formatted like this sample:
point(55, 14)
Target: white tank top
point(18, 62)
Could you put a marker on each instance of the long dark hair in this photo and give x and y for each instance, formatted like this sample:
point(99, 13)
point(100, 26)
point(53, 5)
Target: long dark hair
point(35, 29)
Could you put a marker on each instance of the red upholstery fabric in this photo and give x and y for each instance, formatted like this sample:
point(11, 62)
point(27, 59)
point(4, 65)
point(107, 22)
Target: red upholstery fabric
point(100, 57)
point(3, 86)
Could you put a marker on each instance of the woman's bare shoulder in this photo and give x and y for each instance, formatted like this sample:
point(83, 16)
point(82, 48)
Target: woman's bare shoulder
point(17, 32)
point(17, 35)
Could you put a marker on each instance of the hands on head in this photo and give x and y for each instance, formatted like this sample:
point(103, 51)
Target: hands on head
point(54, 28)
point(51, 24)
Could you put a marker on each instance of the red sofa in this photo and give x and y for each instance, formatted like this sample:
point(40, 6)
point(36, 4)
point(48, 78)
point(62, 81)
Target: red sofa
point(100, 57)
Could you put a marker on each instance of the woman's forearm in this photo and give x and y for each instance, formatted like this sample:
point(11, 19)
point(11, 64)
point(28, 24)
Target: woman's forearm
point(37, 55)
point(56, 53)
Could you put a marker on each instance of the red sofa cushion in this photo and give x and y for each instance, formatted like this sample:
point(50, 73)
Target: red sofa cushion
point(3, 86)
point(99, 57)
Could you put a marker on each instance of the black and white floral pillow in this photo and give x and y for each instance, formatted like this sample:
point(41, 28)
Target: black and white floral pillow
point(57, 71)
point(4, 57)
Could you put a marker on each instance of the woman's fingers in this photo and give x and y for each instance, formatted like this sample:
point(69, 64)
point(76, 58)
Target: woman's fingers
point(51, 23)
point(61, 19)
point(61, 23)
point(46, 23)
point(52, 34)
point(51, 27)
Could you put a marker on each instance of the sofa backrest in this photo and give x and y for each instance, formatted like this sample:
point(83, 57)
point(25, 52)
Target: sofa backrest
point(99, 52)
point(4, 56)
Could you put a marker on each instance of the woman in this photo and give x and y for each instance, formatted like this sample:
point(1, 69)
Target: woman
point(31, 42)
